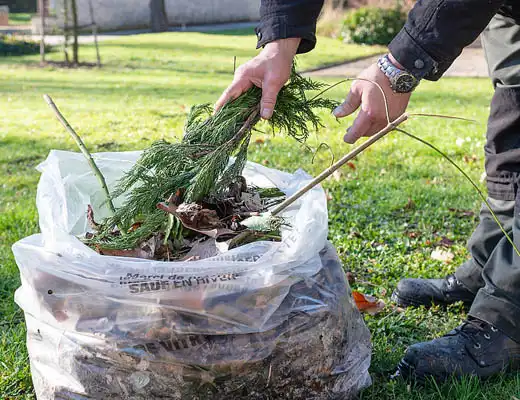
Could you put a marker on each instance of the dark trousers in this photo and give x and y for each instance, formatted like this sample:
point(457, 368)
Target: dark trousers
point(493, 272)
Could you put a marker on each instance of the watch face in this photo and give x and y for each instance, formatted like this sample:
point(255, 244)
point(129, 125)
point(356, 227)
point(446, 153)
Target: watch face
point(405, 83)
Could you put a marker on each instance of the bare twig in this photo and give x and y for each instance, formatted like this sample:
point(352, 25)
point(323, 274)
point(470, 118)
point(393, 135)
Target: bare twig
point(83, 149)
point(441, 116)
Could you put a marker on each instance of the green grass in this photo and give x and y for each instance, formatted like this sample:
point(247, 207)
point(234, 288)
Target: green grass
point(20, 18)
point(143, 93)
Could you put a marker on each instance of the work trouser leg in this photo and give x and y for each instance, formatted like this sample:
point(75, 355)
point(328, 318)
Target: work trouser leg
point(498, 299)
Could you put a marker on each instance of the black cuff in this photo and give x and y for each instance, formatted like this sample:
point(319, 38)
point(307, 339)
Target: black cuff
point(413, 57)
point(278, 27)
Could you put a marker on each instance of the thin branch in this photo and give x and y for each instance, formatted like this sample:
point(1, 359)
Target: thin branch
point(329, 171)
point(83, 149)
point(441, 116)
point(469, 180)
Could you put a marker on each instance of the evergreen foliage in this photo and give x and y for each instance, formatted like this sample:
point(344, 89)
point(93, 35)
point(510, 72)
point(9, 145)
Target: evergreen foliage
point(199, 167)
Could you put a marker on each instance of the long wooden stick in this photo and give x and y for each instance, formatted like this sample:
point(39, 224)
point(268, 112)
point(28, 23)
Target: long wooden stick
point(83, 149)
point(329, 171)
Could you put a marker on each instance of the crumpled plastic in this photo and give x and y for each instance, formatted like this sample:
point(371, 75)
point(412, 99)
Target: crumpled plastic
point(265, 319)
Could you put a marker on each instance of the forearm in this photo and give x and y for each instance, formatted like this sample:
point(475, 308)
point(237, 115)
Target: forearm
point(281, 19)
point(436, 32)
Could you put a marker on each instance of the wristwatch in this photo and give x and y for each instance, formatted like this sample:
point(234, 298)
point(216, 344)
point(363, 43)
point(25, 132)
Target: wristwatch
point(401, 81)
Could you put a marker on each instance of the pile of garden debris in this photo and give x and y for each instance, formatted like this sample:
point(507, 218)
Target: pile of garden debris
point(188, 199)
point(205, 229)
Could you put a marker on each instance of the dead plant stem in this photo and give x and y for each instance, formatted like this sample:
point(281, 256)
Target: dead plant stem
point(83, 149)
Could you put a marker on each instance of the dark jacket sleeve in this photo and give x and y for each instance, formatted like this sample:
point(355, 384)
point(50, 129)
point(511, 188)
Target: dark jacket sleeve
point(436, 32)
point(281, 19)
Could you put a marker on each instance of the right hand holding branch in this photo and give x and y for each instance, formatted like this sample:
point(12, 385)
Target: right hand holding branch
point(269, 70)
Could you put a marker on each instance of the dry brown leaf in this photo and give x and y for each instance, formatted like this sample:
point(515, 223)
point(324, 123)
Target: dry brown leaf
point(198, 219)
point(145, 250)
point(202, 249)
point(462, 213)
point(442, 255)
point(368, 304)
point(446, 242)
point(90, 218)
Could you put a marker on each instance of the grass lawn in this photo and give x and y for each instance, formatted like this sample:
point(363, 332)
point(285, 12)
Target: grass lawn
point(20, 18)
point(386, 215)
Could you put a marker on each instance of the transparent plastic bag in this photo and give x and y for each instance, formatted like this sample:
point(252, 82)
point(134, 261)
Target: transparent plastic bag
point(265, 320)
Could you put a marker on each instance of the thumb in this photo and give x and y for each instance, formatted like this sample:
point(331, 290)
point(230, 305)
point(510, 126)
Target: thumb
point(268, 101)
point(351, 104)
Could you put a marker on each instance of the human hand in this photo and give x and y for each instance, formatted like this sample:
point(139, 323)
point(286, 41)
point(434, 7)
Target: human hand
point(269, 70)
point(372, 116)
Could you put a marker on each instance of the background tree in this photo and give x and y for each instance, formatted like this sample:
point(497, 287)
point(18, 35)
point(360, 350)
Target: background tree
point(158, 17)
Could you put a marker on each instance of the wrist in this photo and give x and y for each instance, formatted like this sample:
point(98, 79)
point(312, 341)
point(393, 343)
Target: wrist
point(287, 46)
point(395, 62)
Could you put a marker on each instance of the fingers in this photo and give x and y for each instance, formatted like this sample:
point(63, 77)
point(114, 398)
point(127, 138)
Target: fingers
point(269, 94)
point(362, 126)
point(351, 104)
point(234, 90)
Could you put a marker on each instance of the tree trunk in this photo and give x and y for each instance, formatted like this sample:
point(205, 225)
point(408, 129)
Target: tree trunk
point(94, 32)
point(75, 32)
point(41, 6)
point(158, 18)
point(66, 30)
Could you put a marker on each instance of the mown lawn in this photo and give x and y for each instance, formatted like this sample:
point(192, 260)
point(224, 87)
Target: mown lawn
point(386, 215)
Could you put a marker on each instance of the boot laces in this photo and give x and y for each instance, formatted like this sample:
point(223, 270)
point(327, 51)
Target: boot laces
point(470, 329)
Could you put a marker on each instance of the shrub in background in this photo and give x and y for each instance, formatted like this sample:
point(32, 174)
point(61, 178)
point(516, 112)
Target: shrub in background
point(11, 46)
point(372, 25)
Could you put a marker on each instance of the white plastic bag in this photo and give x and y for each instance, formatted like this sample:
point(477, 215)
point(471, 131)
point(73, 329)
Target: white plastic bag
point(244, 324)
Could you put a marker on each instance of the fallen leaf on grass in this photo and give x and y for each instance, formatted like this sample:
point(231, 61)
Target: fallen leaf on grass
point(368, 304)
point(413, 234)
point(446, 242)
point(442, 255)
point(462, 213)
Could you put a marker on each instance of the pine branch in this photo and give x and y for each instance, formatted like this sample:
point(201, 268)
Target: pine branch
point(199, 165)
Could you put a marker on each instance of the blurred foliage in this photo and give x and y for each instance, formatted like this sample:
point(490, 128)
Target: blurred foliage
point(372, 25)
point(11, 46)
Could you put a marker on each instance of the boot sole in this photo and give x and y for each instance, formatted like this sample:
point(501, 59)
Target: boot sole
point(403, 301)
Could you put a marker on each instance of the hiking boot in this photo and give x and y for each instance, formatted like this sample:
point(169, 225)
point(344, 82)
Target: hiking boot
point(475, 348)
point(425, 292)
